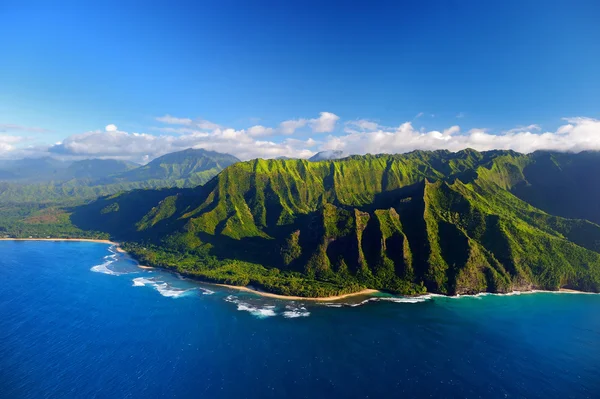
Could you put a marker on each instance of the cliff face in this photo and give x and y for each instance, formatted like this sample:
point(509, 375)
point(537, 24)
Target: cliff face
point(451, 223)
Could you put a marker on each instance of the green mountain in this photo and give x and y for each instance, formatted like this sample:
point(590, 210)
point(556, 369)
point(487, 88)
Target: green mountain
point(450, 223)
point(89, 179)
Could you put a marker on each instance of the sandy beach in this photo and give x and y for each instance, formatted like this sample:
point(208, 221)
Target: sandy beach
point(296, 298)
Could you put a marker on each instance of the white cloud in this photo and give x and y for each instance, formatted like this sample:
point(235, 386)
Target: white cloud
point(325, 123)
point(259, 130)
point(289, 127)
point(360, 136)
point(142, 147)
point(6, 127)
point(171, 120)
point(522, 129)
point(461, 115)
point(198, 123)
point(420, 114)
point(360, 125)
point(8, 146)
point(580, 134)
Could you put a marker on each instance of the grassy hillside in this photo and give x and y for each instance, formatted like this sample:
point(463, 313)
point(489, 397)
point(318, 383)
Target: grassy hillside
point(76, 182)
point(437, 221)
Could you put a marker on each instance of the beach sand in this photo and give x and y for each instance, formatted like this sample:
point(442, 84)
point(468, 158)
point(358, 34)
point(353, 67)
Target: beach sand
point(297, 298)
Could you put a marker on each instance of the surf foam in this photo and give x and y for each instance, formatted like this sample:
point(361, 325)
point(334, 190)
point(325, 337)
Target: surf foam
point(293, 312)
point(261, 313)
point(162, 287)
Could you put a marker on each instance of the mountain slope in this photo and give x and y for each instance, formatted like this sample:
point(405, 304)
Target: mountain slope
point(94, 169)
point(440, 221)
point(89, 179)
point(194, 166)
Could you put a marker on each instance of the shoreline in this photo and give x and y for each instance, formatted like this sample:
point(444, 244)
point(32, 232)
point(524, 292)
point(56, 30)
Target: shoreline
point(100, 241)
point(365, 292)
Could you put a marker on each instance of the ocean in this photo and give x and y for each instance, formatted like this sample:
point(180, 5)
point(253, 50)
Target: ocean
point(78, 320)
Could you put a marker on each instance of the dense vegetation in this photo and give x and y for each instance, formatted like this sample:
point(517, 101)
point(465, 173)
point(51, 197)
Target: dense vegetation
point(37, 196)
point(450, 223)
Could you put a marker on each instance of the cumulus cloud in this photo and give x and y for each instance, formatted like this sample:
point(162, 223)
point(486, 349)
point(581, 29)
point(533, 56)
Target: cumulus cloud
point(359, 137)
point(142, 147)
point(578, 135)
point(7, 142)
point(259, 130)
point(325, 123)
point(289, 127)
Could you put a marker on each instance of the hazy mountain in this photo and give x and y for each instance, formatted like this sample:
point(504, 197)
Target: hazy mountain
point(97, 168)
point(326, 155)
point(49, 180)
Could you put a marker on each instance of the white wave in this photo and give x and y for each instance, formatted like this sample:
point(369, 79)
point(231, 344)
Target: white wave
point(141, 281)
point(103, 268)
point(332, 305)
point(395, 299)
point(163, 288)
point(206, 291)
point(109, 259)
point(293, 312)
point(405, 300)
point(261, 313)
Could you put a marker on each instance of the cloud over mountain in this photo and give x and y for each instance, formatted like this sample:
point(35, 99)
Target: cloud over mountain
point(355, 137)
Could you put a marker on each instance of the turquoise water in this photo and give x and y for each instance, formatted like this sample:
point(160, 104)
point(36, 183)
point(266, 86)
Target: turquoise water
point(77, 320)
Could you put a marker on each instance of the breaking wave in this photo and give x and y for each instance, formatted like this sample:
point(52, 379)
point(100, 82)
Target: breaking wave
point(109, 260)
point(260, 312)
point(162, 287)
point(293, 312)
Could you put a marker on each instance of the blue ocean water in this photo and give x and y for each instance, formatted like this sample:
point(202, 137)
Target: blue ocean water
point(79, 321)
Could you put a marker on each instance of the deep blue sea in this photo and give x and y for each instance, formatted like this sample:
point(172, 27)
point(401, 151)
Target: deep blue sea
point(80, 321)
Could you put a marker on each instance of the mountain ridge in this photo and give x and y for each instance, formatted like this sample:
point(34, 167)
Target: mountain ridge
point(449, 223)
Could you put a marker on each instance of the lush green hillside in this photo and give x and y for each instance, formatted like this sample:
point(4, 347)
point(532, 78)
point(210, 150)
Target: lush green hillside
point(88, 179)
point(187, 168)
point(437, 221)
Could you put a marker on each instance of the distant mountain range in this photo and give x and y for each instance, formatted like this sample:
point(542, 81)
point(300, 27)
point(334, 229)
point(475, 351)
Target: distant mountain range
point(37, 170)
point(450, 223)
point(48, 179)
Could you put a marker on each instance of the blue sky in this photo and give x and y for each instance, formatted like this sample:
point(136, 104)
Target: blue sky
point(69, 69)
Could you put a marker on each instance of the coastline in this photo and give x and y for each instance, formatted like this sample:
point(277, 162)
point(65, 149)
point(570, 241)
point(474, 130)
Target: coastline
point(365, 292)
point(66, 239)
